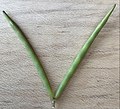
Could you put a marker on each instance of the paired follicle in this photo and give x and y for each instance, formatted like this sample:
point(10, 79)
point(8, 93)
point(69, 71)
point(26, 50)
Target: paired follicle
point(81, 54)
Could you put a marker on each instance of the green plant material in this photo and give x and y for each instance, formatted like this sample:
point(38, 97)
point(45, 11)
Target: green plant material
point(73, 66)
point(32, 54)
point(81, 55)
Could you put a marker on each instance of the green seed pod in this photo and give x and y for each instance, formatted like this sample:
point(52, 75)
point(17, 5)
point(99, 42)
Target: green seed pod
point(32, 54)
point(81, 55)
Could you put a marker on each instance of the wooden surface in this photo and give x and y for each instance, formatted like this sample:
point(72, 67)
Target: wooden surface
point(57, 29)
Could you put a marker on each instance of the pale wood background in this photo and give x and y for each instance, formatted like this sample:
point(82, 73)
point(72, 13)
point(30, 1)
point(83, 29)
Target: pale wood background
point(57, 29)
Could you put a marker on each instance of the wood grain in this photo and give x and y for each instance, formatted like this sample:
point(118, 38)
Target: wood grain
point(57, 29)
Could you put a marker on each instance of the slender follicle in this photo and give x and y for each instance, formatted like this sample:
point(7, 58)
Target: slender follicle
point(81, 55)
point(32, 54)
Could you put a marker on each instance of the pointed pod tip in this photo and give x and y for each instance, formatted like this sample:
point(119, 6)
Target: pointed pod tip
point(5, 14)
point(3, 11)
point(112, 9)
point(114, 5)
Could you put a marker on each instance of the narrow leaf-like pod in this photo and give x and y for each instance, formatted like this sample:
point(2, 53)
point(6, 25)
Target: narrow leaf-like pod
point(32, 54)
point(81, 55)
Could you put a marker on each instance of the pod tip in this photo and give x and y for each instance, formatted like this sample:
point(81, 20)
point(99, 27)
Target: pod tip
point(4, 12)
point(114, 5)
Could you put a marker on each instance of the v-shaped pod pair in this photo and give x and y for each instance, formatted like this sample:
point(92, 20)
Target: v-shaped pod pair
point(74, 65)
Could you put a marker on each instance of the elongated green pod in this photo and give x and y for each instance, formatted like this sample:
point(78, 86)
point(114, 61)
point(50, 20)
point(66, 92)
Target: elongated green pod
point(81, 55)
point(32, 54)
